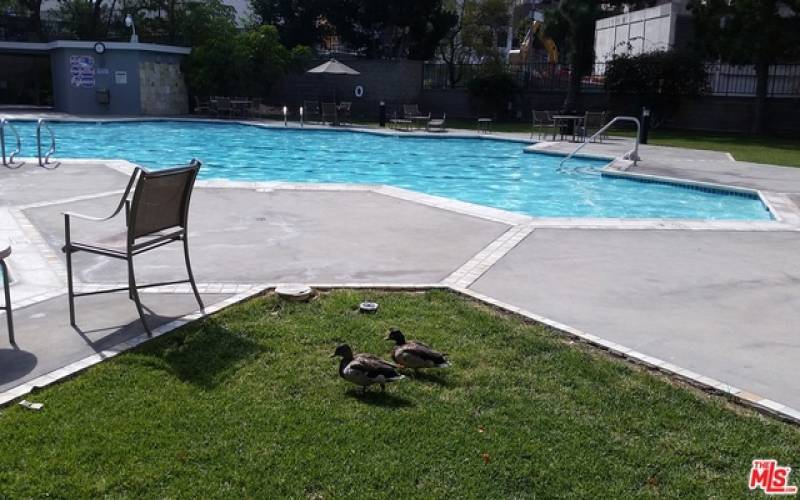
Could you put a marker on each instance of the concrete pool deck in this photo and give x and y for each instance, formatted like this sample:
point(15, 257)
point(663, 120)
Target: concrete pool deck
point(714, 303)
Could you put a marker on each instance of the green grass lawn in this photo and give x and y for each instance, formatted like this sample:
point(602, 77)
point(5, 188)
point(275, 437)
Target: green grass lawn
point(248, 404)
point(759, 149)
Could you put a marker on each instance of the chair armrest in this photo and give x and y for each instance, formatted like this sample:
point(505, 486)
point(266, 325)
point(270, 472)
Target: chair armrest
point(123, 202)
point(90, 218)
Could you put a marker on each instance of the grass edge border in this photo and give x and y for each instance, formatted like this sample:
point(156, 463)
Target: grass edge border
point(654, 365)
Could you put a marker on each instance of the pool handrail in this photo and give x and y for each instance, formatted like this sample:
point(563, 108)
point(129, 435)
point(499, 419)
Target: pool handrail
point(44, 162)
point(10, 163)
point(632, 155)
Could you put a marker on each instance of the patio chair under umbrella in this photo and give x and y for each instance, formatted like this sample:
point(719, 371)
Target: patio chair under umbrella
point(333, 67)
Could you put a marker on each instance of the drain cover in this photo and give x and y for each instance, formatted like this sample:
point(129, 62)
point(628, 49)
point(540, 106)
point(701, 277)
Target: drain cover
point(294, 292)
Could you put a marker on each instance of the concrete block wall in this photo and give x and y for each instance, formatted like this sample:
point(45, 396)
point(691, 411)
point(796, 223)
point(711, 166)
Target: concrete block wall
point(709, 113)
point(457, 103)
point(396, 82)
point(735, 114)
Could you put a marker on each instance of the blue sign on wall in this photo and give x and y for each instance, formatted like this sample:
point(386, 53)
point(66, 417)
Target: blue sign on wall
point(81, 70)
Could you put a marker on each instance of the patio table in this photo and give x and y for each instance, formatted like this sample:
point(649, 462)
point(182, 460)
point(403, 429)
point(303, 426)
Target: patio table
point(241, 105)
point(419, 121)
point(562, 121)
point(399, 123)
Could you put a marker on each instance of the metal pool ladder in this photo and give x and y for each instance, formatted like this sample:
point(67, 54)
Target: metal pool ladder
point(10, 162)
point(44, 162)
point(632, 155)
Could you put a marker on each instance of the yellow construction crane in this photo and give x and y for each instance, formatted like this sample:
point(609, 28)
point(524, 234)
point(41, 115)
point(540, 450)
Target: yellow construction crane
point(537, 30)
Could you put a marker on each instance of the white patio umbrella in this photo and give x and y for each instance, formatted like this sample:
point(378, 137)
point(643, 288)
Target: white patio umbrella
point(333, 67)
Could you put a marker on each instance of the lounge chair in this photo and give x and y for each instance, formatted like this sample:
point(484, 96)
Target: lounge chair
point(311, 111)
point(4, 253)
point(157, 214)
point(437, 125)
point(329, 113)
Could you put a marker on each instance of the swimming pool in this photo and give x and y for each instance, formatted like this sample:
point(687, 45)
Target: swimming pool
point(488, 172)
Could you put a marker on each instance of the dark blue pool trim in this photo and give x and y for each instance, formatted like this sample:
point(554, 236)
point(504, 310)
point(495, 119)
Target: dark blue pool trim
point(695, 187)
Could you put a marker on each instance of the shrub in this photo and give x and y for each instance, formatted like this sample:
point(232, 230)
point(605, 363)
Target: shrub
point(670, 73)
point(493, 87)
point(658, 80)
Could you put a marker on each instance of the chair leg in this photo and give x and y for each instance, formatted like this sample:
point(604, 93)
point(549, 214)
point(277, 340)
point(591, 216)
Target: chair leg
point(70, 285)
point(7, 290)
point(135, 295)
point(189, 272)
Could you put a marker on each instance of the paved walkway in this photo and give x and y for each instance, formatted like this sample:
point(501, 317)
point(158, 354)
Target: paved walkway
point(714, 301)
point(723, 304)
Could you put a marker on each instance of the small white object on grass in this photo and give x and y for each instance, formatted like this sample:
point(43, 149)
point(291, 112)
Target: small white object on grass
point(294, 292)
point(368, 307)
point(31, 406)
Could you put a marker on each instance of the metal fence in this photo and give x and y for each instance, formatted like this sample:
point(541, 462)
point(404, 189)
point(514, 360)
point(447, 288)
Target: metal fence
point(537, 76)
point(729, 80)
point(723, 79)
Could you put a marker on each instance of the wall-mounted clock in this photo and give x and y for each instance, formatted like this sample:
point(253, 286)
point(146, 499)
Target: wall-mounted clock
point(99, 47)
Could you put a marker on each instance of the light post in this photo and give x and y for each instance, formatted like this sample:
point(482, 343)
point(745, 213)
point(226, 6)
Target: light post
point(301, 116)
point(285, 117)
point(129, 24)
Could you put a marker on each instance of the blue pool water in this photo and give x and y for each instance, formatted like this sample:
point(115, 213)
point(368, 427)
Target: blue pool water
point(493, 173)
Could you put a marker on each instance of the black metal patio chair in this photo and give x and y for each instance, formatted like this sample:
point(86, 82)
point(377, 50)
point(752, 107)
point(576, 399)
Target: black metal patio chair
point(156, 214)
point(4, 253)
point(330, 114)
point(311, 111)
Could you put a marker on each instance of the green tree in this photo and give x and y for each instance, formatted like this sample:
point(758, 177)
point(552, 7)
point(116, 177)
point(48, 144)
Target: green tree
point(230, 62)
point(386, 28)
point(86, 19)
point(474, 34)
point(572, 24)
point(299, 22)
point(31, 8)
point(391, 28)
point(757, 32)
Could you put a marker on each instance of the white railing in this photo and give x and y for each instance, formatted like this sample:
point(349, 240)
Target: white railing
point(632, 155)
point(44, 162)
point(10, 162)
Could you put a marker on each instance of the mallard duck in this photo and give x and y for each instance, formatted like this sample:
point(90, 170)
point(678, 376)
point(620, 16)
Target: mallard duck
point(365, 369)
point(411, 354)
